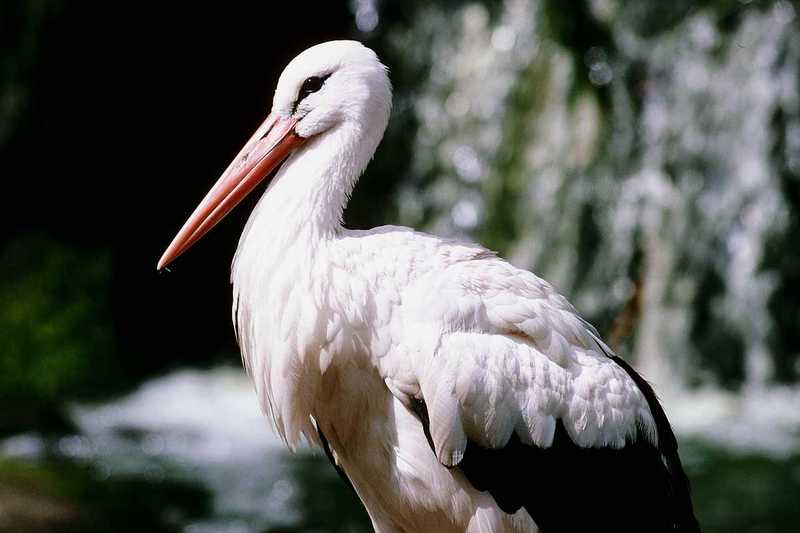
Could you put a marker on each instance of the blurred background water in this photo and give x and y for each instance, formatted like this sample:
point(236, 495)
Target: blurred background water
point(643, 156)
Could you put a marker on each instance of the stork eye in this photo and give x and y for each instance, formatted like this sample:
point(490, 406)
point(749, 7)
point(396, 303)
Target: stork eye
point(311, 85)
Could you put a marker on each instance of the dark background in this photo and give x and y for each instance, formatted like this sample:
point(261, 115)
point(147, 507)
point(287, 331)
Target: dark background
point(130, 114)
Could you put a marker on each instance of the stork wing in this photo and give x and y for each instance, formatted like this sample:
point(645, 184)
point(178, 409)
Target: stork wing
point(518, 393)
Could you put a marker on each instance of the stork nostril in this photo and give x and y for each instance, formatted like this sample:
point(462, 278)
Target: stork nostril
point(265, 134)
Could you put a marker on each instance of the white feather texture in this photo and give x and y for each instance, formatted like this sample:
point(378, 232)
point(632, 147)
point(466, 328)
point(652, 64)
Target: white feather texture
point(346, 328)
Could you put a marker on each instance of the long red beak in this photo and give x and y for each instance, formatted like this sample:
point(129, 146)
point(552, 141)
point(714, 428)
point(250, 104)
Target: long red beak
point(272, 142)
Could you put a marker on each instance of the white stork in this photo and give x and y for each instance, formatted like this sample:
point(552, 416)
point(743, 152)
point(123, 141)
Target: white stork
point(454, 391)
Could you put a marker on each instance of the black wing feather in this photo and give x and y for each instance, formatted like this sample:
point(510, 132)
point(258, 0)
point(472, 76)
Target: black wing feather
point(567, 488)
point(329, 454)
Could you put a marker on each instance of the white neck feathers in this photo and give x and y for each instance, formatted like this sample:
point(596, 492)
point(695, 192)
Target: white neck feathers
point(281, 250)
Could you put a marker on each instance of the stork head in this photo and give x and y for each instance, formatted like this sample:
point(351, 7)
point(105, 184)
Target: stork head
point(333, 83)
point(333, 86)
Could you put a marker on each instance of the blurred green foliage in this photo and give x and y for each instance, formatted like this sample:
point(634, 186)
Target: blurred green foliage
point(61, 496)
point(57, 342)
point(740, 492)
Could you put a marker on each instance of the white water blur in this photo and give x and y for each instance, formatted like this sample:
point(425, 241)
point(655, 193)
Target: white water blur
point(714, 113)
point(689, 176)
point(759, 420)
point(206, 426)
point(203, 416)
point(199, 426)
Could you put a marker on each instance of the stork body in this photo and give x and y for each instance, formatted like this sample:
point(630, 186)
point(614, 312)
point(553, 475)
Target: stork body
point(453, 390)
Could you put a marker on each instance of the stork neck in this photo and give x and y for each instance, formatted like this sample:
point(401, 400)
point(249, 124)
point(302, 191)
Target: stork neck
point(306, 199)
point(283, 257)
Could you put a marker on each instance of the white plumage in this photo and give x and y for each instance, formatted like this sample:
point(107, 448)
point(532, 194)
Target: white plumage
point(362, 341)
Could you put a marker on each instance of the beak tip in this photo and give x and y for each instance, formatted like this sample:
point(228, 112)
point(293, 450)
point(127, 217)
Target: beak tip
point(162, 263)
